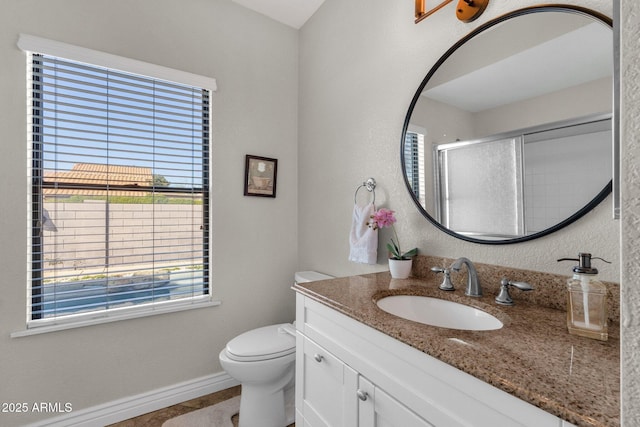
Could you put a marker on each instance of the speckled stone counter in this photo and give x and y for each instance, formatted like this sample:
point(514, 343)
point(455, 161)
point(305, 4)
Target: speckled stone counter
point(532, 357)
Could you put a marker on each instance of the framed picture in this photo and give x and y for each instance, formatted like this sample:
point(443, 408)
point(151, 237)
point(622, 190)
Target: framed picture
point(260, 175)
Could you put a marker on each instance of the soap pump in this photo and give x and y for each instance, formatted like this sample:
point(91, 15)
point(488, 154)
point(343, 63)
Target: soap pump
point(586, 300)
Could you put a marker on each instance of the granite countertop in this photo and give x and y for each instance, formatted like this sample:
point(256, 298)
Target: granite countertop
point(532, 357)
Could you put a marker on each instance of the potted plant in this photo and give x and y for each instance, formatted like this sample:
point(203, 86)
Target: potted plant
point(399, 262)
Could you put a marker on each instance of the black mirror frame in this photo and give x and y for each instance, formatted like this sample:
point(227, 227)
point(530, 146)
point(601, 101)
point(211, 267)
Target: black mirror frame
point(524, 11)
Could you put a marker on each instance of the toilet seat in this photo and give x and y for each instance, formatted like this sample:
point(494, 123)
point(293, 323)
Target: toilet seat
point(268, 342)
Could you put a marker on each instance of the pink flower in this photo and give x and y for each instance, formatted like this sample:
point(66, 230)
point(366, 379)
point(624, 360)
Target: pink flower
point(382, 218)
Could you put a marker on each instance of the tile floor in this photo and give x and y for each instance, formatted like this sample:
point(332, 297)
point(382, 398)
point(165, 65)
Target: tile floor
point(155, 419)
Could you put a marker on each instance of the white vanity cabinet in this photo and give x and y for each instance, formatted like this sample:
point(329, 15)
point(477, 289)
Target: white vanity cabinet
point(349, 374)
point(335, 395)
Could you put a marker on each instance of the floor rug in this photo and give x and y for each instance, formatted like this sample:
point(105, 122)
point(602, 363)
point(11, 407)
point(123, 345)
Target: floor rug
point(218, 415)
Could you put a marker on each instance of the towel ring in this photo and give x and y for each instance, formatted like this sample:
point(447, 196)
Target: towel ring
point(370, 185)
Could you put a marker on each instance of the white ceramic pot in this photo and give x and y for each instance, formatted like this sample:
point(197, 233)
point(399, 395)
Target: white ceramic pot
point(400, 268)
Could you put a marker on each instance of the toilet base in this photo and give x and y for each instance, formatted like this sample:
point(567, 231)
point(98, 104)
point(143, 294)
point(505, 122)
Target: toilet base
point(266, 408)
point(263, 362)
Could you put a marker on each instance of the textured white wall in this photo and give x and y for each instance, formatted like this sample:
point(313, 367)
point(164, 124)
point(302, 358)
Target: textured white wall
point(630, 216)
point(255, 62)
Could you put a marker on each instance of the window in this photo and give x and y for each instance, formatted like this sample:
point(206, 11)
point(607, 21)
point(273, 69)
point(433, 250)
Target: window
point(411, 161)
point(413, 157)
point(119, 186)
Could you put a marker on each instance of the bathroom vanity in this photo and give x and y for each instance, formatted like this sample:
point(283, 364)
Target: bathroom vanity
point(360, 366)
point(357, 365)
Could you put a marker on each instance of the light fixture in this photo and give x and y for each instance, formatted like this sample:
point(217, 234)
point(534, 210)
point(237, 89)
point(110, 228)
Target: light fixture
point(466, 11)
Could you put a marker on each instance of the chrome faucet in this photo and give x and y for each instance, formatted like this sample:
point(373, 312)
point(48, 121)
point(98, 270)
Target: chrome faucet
point(473, 284)
point(446, 284)
point(504, 298)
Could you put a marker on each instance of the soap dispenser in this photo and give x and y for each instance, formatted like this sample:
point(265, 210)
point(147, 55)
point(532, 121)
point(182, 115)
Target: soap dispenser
point(586, 300)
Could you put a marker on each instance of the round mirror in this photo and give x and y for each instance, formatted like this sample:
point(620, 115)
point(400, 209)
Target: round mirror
point(509, 136)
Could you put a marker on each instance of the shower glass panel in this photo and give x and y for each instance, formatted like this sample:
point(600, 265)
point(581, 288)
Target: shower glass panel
point(515, 185)
point(554, 184)
point(493, 192)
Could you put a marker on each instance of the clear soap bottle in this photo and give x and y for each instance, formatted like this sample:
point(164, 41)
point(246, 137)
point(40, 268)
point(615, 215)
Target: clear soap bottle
point(586, 300)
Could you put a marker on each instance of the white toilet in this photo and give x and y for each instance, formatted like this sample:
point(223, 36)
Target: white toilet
point(263, 361)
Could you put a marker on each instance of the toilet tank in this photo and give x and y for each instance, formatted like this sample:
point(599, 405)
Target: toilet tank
point(310, 276)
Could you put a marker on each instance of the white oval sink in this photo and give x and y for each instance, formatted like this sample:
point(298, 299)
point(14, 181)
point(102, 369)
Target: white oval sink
point(439, 312)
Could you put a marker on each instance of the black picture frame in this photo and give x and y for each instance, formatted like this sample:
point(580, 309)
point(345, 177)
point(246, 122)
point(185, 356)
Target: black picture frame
point(260, 176)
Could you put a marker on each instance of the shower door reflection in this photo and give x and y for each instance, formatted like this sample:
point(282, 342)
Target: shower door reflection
point(509, 186)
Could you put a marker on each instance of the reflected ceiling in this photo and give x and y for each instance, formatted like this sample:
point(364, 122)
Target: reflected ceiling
point(553, 64)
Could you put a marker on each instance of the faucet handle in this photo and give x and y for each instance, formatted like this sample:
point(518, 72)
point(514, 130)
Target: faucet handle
point(504, 298)
point(446, 284)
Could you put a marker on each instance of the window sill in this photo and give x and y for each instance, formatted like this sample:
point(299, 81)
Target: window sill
point(109, 317)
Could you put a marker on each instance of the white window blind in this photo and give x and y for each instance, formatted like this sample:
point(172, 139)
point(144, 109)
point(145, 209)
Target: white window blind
point(119, 195)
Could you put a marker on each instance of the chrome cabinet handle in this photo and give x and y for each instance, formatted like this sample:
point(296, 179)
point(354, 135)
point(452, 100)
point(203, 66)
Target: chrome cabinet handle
point(318, 358)
point(362, 395)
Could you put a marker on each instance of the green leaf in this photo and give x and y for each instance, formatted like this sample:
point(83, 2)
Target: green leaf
point(393, 249)
point(410, 254)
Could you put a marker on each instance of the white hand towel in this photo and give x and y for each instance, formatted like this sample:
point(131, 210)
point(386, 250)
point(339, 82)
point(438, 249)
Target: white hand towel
point(363, 239)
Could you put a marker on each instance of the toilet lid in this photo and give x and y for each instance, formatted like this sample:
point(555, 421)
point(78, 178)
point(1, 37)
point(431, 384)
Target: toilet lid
point(263, 343)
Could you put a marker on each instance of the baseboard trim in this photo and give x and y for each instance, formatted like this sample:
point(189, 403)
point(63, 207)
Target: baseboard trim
point(123, 409)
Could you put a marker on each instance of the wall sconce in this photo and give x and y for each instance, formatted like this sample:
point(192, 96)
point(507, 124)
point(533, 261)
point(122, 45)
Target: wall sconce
point(466, 11)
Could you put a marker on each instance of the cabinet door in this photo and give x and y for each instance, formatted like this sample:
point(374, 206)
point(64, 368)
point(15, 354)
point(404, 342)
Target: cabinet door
point(325, 388)
point(377, 409)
